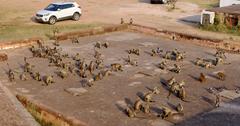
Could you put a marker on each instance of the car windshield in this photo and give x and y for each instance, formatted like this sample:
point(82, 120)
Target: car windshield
point(52, 7)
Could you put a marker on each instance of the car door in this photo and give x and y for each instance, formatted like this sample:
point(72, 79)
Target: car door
point(67, 10)
point(61, 12)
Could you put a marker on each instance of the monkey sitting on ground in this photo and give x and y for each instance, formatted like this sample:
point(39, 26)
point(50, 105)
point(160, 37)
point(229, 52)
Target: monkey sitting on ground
point(106, 44)
point(23, 76)
point(146, 108)
point(202, 78)
point(134, 51)
point(122, 21)
point(98, 77)
point(131, 21)
point(98, 45)
point(130, 112)
point(116, 67)
point(179, 108)
point(148, 97)
point(138, 105)
point(171, 81)
point(218, 100)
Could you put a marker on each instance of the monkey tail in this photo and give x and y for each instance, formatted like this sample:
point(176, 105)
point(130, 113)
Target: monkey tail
point(185, 100)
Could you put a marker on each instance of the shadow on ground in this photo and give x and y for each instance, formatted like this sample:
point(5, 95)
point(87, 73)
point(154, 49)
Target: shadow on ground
point(228, 115)
point(190, 19)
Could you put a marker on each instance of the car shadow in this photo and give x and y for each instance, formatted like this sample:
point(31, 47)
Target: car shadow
point(144, 1)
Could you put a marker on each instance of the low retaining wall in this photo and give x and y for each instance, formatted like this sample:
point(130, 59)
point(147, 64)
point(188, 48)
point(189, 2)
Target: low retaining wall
point(64, 36)
point(18, 43)
point(94, 31)
point(230, 47)
point(46, 116)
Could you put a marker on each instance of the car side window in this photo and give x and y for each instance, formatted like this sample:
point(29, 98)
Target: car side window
point(66, 6)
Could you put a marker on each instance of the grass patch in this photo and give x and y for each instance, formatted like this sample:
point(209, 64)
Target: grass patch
point(205, 3)
point(15, 31)
point(221, 28)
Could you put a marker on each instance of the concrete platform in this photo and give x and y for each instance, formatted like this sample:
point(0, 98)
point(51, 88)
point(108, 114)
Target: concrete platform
point(104, 103)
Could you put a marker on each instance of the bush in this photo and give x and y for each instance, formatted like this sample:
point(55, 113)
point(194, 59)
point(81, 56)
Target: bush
point(221, 28)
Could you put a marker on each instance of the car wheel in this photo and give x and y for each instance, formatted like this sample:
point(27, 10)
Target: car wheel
point(52, 20)
point(76, 16)
point(153, 2)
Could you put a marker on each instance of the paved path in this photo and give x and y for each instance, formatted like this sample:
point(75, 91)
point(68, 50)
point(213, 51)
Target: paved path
point(12, 113)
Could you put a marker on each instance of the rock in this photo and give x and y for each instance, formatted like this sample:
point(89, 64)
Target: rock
point(121, 104)
point(146, 44)
point(76, 91)
point(135, 83)
point(23, 90)
point(148, 68)
point(230, 94)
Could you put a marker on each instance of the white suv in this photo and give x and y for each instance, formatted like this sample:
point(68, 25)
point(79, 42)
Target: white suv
point(59, 11)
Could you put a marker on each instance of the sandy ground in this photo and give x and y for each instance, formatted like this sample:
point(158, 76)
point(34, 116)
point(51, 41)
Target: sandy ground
point(110, 12)
point(104, 103)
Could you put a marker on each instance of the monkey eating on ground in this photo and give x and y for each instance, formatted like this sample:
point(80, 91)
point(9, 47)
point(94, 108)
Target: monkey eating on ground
point(131, 62)
point(49, 80)
point(75, 40)
point(122, 21)
point(134, 51)
point(23, 76)
point(116, 67)
point(202, 78)
point(131, 21)
point(106, 73)
point(171, 81)
point(179, 108)
point(163, 65)
point(97, 55)
point(130, 112)
point(98, 45)
point(156, 90)
point(217, 100)
point(106, 44)
point(77, 57)
point(82, 73)
point(36, 76)
point(220, 53)
point(138, 105)
point(154, 52)
point(91, 67)
point(11, 74)
point(176, 69)
point(182, 94)
point(218, 61)
point(166, 112)
point(27, 66)
point(98, 77)
point(146, 108)
point(148, 97)
point(221, 76)
point(168, 55)
point(63, 73)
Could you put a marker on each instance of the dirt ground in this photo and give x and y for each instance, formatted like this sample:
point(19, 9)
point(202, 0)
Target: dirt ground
point(104, 103)
point(154, 15)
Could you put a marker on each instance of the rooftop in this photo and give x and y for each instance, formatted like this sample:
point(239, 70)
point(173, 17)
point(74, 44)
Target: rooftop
point(233, 9)
point(60, 3)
